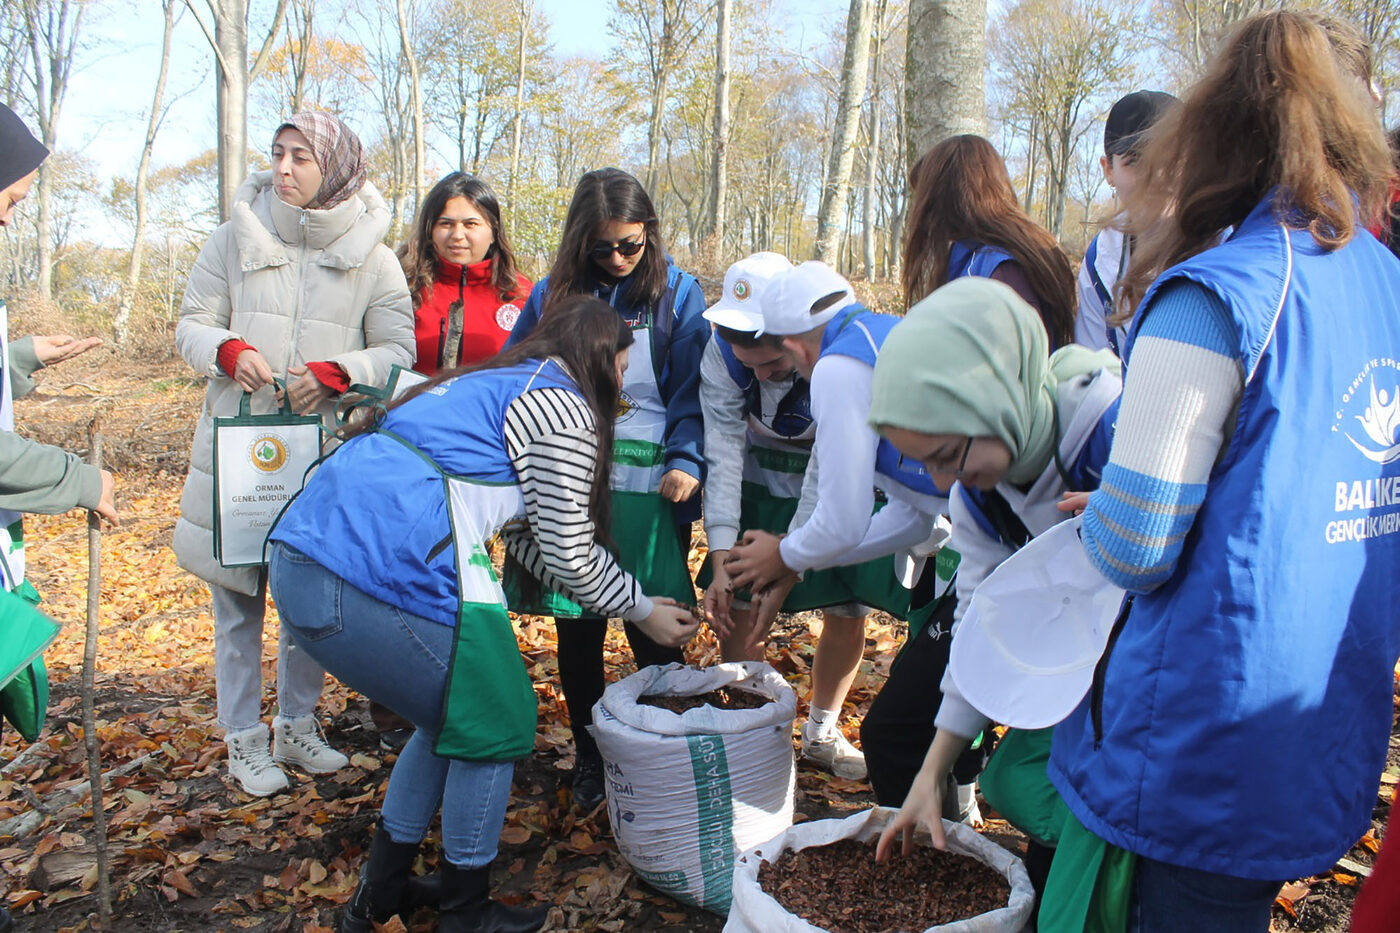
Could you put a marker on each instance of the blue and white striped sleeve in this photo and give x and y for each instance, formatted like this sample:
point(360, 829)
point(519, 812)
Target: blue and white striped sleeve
point(1179, 400)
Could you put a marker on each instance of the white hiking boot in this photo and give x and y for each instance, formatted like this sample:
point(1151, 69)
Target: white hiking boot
point(835, 754)
point(298, 742)
point(250, 763)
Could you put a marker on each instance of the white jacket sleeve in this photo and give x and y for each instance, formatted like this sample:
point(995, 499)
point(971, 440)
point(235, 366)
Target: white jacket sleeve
point(207, 307)
point(726, 441)
point(981, 554)
point(388, 324)
point(845, 443)
point(895, 527)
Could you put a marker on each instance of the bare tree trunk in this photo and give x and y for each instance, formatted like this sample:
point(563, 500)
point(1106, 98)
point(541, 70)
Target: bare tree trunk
point(415, 94)
point(719, 169)
point(658, 110)
point(527, 12)
point(229, 40)
point(300, 51)
point(138, 241)
point(51, 28)
point(1031, 158)
point(872, 160)
point(843, 143)
point(943, 71)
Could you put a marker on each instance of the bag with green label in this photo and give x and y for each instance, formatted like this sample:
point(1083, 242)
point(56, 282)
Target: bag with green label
point(260, 462)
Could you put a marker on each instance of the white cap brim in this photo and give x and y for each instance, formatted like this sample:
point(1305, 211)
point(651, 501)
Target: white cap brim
point(744, 320)
point(1025, 652)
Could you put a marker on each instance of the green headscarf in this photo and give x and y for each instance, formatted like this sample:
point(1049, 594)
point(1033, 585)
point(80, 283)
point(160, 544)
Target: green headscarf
point(973, 358)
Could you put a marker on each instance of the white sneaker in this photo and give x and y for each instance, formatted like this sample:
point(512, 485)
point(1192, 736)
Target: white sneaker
point(835, 754)
point(250, 763)
point(298, 742)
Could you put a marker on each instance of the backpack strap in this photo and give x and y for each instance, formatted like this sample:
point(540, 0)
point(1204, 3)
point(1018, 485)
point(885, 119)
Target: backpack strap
point(996, 517)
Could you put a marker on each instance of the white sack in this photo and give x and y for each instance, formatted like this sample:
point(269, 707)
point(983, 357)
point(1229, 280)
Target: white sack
point(753, 911)
point(687, 792)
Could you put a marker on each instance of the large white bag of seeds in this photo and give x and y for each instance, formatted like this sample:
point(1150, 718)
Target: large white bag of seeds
point(687, 792)
point(753, 911)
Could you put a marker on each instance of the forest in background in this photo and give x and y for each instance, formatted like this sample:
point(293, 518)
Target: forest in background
point(745, 141)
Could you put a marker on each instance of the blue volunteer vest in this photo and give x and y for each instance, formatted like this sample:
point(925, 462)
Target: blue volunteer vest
point(792, 419)
point(1240, 721)
point(858, 332)
point(966, 258)
point(375, 513)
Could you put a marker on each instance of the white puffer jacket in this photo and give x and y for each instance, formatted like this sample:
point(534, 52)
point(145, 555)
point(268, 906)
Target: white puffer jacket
point(300, 286)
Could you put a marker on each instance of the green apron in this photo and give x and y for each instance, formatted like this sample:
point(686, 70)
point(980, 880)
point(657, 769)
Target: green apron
point(643, 522)
point(1091, 882)
point(489, 711)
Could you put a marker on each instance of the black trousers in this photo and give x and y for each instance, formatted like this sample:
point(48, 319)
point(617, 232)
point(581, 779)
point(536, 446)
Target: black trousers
point(898, 728)
point(581, 663)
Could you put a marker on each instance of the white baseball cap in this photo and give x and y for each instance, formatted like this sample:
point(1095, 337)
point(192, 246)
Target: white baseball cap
point(1028, 644)
point(788, 309)
point(745, 285)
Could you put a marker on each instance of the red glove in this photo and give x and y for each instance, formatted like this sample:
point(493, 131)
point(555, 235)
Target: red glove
point(330, 375)
point(228, 354)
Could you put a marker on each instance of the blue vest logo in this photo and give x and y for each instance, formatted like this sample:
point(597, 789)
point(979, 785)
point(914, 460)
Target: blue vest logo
point(626, 407)
point(1369, 415)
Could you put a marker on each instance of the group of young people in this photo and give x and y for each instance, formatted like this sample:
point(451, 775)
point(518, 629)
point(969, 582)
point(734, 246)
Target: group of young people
point(1217, 396)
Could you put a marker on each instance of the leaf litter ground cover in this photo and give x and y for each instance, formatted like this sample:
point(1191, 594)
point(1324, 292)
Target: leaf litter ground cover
point(840, 888)
point(189, 853)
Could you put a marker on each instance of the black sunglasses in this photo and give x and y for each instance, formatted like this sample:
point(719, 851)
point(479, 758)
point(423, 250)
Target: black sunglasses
point(626, 248)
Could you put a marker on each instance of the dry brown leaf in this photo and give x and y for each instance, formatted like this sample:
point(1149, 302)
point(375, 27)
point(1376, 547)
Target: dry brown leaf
point(515, 835)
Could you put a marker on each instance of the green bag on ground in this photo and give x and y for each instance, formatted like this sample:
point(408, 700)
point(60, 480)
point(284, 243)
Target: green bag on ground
point(24, 683)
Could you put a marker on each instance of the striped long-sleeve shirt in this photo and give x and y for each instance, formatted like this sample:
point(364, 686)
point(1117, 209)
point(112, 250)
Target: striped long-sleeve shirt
point(1179, 402)
point(552, 441)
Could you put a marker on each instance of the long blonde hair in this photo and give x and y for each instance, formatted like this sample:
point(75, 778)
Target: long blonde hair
point(1293, 90)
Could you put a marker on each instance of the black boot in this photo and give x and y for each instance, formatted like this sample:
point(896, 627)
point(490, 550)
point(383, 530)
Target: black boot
point(588, 781)
point(7, 923)
point(384, 888)
point(467, 906)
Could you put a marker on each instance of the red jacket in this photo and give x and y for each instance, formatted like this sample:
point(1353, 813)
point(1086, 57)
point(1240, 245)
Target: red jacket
point(486, 320)
point(1377, 908)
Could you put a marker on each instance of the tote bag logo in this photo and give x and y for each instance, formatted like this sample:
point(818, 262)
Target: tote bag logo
point(268, 453)
point(1369, 416)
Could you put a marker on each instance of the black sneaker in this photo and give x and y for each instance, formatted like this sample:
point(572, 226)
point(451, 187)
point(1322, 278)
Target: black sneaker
point(588, 784)
point(393, 740)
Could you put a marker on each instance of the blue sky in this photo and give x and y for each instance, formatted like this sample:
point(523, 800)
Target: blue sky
point(104, 113)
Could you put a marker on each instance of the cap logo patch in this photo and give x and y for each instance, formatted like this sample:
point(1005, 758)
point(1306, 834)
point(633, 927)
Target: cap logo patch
point(742, 290)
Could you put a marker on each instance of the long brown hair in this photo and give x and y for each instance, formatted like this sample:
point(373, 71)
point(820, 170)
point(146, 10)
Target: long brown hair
point(418, 257)
point(585, 334)
point(1292, 87)
point(602, 195)
point(960, 190)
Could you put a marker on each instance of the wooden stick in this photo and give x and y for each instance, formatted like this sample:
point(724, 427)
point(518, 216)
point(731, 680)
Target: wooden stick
point(94, 760)
point(24, 824)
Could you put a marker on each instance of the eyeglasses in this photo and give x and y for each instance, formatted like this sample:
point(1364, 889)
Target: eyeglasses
point(624, 248)
point(962, 463)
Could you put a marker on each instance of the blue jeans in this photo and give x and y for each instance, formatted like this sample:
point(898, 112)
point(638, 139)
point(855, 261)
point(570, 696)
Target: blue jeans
point(401, 660)
point(1168, 898)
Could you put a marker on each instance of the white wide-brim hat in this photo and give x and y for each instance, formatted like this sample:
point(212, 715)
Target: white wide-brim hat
point(1028, 644)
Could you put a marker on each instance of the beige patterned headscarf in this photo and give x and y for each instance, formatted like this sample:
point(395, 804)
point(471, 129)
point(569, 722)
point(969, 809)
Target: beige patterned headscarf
point(338, 153)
